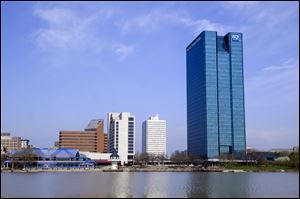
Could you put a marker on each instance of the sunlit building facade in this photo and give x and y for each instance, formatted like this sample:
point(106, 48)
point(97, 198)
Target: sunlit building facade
point(9, 143)
point(121, 135)
point(215, 95)
point(154, 140)
point(92, 139)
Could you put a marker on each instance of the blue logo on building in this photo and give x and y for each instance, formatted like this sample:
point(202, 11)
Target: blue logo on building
point(235, 37)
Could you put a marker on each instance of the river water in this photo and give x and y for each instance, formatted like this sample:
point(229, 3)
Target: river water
point(149, 184)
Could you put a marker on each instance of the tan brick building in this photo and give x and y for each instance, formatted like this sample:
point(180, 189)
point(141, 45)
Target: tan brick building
point(92, 139)
point(9, 143)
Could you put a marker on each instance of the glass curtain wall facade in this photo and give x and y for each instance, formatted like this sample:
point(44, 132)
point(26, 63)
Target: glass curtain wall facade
point(215, 95)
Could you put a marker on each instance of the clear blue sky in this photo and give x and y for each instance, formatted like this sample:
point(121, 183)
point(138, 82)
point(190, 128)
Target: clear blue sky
point(63, 64)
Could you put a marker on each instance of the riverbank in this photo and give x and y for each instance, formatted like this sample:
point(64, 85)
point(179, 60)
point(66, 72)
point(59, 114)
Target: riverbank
point(224, 168)
point(260, 168)
point(227, 168)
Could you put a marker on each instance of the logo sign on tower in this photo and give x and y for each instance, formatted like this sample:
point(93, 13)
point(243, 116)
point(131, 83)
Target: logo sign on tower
point(235, 37)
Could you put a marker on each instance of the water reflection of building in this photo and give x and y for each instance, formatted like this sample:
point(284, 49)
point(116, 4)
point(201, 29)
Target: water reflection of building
point(197, 186)
point(122, 185)
point(207, 185)
point(140, 184)
point(157, 185)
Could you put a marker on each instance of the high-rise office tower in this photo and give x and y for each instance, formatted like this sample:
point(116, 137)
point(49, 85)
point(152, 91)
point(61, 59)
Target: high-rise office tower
point(121, 130)
point(215, 95)
point(154, 136)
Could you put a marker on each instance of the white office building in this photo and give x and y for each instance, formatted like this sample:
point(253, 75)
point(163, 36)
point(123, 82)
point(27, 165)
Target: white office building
point(121, 135)
point(154, 136)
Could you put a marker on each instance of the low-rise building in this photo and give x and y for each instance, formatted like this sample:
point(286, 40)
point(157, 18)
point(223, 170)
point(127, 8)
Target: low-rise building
point(100, 159)
point(25, 144)
point(278, 150)
point(56, 145)
point(296, 149)
point(9, 143)
point(45, 158)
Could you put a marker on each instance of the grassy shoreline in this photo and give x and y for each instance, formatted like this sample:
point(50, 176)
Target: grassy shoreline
point(261, 168)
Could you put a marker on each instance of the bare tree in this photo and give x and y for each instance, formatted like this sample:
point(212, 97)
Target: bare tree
point(160, 158)
point(3, 158)
point(144, 158)
point(151, 158)
point(25, 157)
point(137, 158)
point(180, 157)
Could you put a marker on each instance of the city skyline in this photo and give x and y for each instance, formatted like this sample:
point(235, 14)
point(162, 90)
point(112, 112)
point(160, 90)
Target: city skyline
point(65, 63)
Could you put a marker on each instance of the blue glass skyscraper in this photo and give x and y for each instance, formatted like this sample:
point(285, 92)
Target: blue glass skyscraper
point(215, 95)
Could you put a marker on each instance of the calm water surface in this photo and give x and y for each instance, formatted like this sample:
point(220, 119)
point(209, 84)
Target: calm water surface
point(149, 184)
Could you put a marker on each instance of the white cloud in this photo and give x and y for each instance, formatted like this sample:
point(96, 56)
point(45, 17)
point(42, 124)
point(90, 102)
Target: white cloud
point(55, 16)
point(272, 105)
point(64, 29)
point(124, 50)
point(241, 4)
point(288, 64)
point(285, 75)
point(146, 23)
point(69, 30)
point(158, 18)
point(268, 138)
point(270, 14)
point(204, 24)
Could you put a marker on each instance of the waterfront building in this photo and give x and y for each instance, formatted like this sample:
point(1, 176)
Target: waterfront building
point(154, 136)
point(121, 135)
point(9, 143)
point(278, 150)
point(296, 149)
point(46, 158)
point(100, 159)
point(91, 139)
point(24, 143)
point(96, 156)
point(215, 95)
point(56, 145)
point(115, 159)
